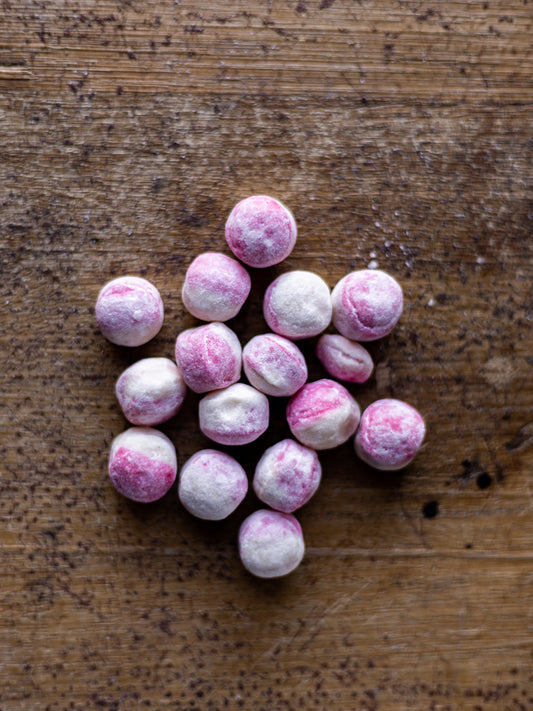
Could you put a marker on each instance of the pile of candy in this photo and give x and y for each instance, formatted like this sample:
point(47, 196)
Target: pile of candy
point(365, 305)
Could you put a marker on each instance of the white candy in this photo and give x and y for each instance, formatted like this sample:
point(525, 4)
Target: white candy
point(212, 484)
point(271, 543)
point(298, 305)
point(150, 391)
point(235, 415)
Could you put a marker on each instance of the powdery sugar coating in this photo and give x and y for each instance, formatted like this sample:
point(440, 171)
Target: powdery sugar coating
point(215, 287)
point(287, 476)
point(271, 543)
point(323, 414)
point(142, 464)
point(209, 357)
point(274, 365)
point(298, 305)
point(390, 434)
point(129, 311)
point(236, 415)
point(212, 484)
point(366, 304)
point(150, 391)
point(260, 231)
point(344, 359)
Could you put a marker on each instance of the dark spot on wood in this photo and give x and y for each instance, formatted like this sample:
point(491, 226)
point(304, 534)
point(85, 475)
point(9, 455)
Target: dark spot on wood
point(483, 480)
point(430, 509)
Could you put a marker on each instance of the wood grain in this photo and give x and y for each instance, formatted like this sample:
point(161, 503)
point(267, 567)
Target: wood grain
point(397, 132)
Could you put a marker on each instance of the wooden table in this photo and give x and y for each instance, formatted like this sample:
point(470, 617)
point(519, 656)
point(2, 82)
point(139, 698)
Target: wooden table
point(399, 133)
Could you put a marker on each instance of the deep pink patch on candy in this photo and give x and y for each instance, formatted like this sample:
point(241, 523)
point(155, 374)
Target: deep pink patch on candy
point(138, 476)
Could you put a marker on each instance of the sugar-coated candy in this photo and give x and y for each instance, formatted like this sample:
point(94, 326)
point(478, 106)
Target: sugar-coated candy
point(261, 231)
point(390, 434)
point(274, 365)
point(236, 415)
point(287, 476)
point(129, 311)
point(367, 304)
point(344, 359)
point(298, 305)
point(142, 464)
point(271, 543)
point(215, 287)
point(212, 484)
point(323, 414)
point(150, 391)
point(209, 357)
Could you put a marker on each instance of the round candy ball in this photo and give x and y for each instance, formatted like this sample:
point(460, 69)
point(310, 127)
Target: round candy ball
point(211, 485)
point(287, 476)
point(344, 359)
point(390, 434)
point(274, 365)
point(209, 357)
point(323, 414)
point(215, 287)
point(271, 543)
point(236, 415)
point(298, 305)
point(129, 311)
point(366, 304)
point(142, 464)
point(260, 231)
point(150, 391)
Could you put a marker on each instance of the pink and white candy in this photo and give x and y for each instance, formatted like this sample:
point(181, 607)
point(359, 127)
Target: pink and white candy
point(323, 414)
point(271, 543)
point(142, 464)
point(344, 359)
point(274, 365)
point(287, 476)
point(298, 305)
point(211, 485)
point(209, 357)
point(236, 415)
point(261, 231)
point(215, 287)
point(390, 434)
point(150, 391)
point(129, 311)
point(367, 304)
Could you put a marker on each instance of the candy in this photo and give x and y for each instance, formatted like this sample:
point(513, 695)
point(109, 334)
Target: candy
point(236, 415)
point(298, 305)
point(212, 484)
point(271, 543)
point(215, 287)
point(287, 476)
point(274, 365)
point(260, 231)
point(129, 311)
point(390, 434)
point(366, 304)
point(209, 357)
point(142, 464)
point(323, 414)
point(344, 359)
point(150, 391)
